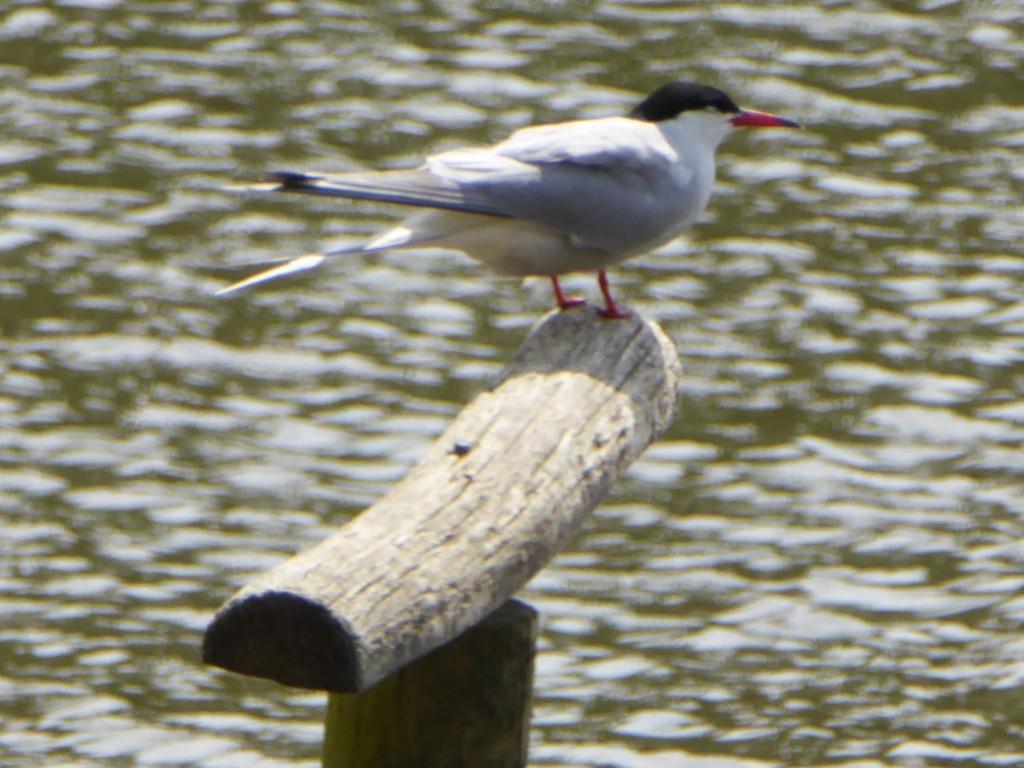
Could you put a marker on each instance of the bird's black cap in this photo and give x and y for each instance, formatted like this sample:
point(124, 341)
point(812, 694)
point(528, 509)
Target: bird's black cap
point(682, 96)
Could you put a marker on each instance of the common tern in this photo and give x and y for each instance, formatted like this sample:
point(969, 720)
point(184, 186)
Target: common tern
point(551, 199)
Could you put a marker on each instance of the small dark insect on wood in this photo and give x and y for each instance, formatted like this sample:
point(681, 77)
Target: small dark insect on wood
point(461, 449)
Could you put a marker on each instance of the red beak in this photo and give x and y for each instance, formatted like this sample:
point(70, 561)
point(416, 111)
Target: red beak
point(751, 118)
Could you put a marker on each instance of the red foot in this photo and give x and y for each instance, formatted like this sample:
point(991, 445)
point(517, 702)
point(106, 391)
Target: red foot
point(565, 302)
point(614, 312)
point(611, 310)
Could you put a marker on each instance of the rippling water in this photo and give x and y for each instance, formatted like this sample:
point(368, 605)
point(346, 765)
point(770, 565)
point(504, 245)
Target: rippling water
point(820, 565)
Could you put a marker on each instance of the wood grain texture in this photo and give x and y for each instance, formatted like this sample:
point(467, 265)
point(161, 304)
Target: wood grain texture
point(495, 497)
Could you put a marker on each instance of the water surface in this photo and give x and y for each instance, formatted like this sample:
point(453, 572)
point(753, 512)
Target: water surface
point(820, 565)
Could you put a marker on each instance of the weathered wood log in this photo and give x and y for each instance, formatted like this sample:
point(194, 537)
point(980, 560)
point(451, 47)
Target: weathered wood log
point(495, 497)
point(466, 703)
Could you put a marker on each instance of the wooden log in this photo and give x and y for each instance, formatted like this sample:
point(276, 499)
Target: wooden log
point(494, 498)
point(463, 705)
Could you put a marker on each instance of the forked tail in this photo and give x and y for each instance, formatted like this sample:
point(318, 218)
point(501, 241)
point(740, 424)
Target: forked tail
point(293, 266)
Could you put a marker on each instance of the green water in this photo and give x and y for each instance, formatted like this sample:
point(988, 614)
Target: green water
point(822, 563)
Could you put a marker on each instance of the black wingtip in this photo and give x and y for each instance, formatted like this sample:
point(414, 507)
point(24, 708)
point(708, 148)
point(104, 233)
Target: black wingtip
point(290, 179)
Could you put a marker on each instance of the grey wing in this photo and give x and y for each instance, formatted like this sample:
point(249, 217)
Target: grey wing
point(415, 188)
point(611, 144)
point(523, 175)
point(612, 184)
point(605, 183)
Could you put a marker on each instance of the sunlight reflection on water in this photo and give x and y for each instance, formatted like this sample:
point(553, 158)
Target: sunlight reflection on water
point(819, 565)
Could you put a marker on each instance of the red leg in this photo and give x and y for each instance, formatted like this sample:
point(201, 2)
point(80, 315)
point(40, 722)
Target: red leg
point(564, 302)
point(611, 310)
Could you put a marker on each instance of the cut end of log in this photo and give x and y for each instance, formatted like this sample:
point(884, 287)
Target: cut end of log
point(285, 637)
point(631, 355)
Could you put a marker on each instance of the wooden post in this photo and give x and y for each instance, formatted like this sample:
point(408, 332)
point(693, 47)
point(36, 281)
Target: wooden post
point(466, 703)
point(500, 493)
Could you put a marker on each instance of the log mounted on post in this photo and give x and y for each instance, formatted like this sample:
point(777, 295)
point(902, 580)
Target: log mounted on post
point(500, 493)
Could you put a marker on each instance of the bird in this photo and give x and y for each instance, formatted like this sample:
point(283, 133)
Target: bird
point(553, 199)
